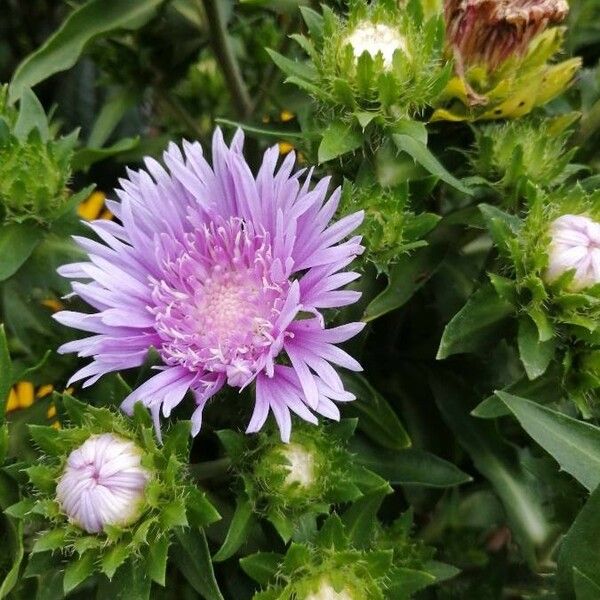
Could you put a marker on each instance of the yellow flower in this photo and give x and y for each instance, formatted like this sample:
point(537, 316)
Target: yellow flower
point(93, 207)
point(286, 116)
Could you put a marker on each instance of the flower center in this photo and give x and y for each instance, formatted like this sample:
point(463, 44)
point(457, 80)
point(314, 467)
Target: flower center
point(217, 302)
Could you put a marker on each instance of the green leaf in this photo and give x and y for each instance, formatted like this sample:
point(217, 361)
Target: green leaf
point(261, 566)
point(535, 355)
point(83, 159)
point(31, 116)
point(405, 582)
point(495, 461)
point(17, 241)
point(502, 226)
point(477, 324)
point(575, 445)
point(295, 68)
point(338, 139)
point(113, 558)
point(242, 520)
point(49, 540)
point(174, 514)
point(192, 557)
point(200, 511)
point(314, 22)
point(579, 551)
point(158, 552)
point(411, 467)
point(585, 588)
point(421, 154)
point(5, 373)
point(111, 113)
point(360, 519)
point(78, 571)
point(14, 541)
point(376, 417)
point(64, 47)
point(407, 276)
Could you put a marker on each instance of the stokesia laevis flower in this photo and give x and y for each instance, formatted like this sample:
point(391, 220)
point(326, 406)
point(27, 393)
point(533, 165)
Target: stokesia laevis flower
point(376, 38)
point(575, 245)
point(489, 31)
point(103, 483)
point(226, 275)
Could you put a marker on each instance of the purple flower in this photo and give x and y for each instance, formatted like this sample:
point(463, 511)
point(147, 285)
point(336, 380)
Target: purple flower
point(227, 276)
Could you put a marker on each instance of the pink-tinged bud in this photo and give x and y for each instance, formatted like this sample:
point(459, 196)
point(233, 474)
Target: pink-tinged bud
point(103, 483)
point(487, 32)
point(575, 245)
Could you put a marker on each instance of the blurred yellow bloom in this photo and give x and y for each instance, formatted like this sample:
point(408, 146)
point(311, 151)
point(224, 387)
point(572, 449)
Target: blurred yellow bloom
point(23, 394)
point(53, 304)
point(93, 207)
point(285, 147)
point(286, 116)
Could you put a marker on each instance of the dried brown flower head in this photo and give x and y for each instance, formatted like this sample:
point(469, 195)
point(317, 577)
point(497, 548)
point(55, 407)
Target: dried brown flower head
point(488, 32)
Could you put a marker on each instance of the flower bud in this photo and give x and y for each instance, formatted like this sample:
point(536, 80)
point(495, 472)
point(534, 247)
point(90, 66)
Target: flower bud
point(575, 246)
point(327, 592)
point(376, 38)
point(103, 483)
point(301, 465)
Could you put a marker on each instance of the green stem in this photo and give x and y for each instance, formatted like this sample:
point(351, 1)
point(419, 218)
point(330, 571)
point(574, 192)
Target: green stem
point(217, 30)
point(210, 469)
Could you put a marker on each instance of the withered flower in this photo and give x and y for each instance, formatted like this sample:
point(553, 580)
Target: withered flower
point(487, 32)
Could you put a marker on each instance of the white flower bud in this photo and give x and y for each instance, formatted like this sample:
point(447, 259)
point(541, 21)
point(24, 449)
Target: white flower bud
point(327, 592)
point(103, 483)
point(301, 468)
point(575, 245)
point(375, 38)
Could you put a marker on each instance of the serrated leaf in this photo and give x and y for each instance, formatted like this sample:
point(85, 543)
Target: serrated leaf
point(338, 139)
point(575, 445)
point(174, 514)
point(50, 540)
point(113, 558)
point(242, 520)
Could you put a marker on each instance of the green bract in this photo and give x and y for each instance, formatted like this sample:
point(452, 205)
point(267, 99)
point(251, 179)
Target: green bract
point(362, 87)
point(35, 168)
point(390, 229)
point(170, 501)
point(291, 484)
point(556, 322)
point(512, 154)
point(347, 561)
